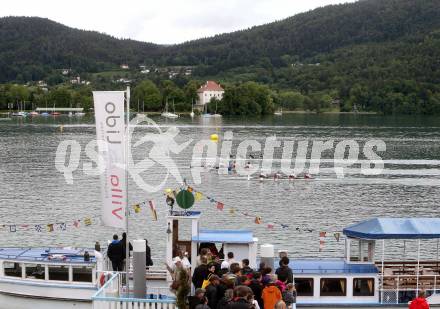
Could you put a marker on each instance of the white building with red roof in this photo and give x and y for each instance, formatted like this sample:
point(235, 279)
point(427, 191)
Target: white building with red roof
point(208, 91)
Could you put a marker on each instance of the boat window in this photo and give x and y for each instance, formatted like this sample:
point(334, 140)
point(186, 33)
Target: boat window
point(34, 271)
point(354, 250)
point(304, 286)
point(58, 272)
point(82, 274)
point(333, 287)
point(12, 269)
point(363, 287)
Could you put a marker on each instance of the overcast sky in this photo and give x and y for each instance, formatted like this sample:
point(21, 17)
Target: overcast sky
point(162, 21)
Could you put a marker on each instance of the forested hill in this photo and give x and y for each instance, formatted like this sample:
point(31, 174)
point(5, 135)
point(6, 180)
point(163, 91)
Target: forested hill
point(319, 31)
point(30, 47)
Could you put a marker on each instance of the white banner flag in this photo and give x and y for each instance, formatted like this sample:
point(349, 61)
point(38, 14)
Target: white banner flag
point(110, 126)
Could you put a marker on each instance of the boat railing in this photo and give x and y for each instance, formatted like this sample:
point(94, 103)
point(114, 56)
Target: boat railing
point(399, 289)
point(115, 294)
point(155, 272)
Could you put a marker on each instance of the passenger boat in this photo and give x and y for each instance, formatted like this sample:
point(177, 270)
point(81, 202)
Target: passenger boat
point(34, 113)
point(47, 278)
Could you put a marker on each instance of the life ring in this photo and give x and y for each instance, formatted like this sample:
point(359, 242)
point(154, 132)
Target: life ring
point(102, 279)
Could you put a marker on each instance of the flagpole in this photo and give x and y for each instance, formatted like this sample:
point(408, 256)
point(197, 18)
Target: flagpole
point(127, 149)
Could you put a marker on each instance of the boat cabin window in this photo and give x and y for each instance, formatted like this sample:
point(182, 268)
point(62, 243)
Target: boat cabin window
point(363, 287)
point(333, 287)
point(361, 250)
point(59, 272)
point(12, 269)
point(304, 286)
point(34, 271)
point(82, 274)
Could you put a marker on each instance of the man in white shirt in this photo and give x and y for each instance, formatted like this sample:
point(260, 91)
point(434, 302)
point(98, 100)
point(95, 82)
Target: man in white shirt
point(227, 262)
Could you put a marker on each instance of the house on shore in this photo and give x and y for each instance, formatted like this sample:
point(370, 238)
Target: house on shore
point(207, 92)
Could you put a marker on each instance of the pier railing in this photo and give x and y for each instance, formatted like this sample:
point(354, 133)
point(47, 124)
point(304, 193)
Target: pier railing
point(400, 289)
point(114, 295)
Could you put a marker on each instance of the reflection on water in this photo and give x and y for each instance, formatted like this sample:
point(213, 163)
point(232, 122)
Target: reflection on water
point(34, 192)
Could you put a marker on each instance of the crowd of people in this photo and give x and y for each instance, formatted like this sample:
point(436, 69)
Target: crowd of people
point(234, 285)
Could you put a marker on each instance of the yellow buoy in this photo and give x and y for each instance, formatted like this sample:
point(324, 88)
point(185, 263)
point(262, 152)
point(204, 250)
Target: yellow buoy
point(214, 137)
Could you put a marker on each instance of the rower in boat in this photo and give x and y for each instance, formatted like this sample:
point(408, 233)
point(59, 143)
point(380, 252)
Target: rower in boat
point(292, 176)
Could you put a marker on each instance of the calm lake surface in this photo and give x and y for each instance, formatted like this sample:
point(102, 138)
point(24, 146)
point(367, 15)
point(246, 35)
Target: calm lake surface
point(34, 192)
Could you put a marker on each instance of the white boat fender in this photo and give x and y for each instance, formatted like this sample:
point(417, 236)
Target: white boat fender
point(60, 257)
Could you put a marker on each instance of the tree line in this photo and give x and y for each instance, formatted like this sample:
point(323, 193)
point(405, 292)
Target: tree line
point(249, 98)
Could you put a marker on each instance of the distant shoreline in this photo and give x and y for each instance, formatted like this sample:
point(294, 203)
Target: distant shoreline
point(5, 112)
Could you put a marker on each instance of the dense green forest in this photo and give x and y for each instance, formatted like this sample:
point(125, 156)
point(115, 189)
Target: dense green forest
point(371, 55)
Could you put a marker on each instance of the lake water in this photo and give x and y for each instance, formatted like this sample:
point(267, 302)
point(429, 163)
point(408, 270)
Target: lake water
point(34, 192)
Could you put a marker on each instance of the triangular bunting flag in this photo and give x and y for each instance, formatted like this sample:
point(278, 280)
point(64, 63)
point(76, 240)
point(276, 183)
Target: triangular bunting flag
point(38, 228)
point(270, 226)
point(137, 208)
point(88, 221)
point(198, 196)
point(12, 228)
point(337, 236)
point(153, 210)
point(50, 227)
point(76, 223)
point(220, 205)
point(257, 220)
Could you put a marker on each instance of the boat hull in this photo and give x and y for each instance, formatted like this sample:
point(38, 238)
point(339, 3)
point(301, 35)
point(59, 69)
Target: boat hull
point(14, 293)
point(8, 301)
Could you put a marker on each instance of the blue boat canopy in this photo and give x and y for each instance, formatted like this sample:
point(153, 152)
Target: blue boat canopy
point(45, 254)
point(225, 236)
point(300, 267)
point(395, 228)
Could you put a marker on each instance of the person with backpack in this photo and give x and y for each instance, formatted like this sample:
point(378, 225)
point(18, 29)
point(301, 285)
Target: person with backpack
point(211, 291)
point(200, 273)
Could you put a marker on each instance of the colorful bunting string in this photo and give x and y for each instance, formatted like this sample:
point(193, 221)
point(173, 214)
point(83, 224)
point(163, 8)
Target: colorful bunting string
point(199, 196)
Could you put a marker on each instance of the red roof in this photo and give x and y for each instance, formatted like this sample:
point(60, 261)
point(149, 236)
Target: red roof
point(210, 86)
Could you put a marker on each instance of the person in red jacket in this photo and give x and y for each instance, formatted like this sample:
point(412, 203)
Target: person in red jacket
point(420, 302)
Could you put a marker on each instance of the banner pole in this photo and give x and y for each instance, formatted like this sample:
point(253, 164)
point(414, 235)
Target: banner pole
point(127, 149)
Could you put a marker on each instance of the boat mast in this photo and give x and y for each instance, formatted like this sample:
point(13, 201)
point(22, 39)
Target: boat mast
point(127, 149)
